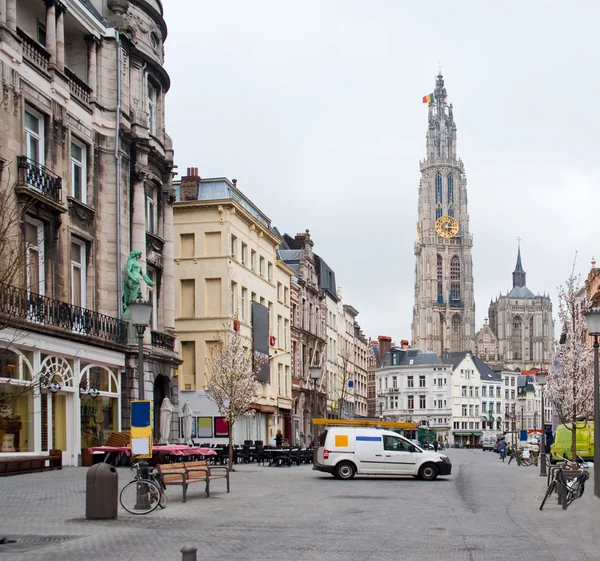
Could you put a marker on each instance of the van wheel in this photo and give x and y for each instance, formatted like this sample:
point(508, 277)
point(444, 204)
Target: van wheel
point(345, 470)
point(428, 472)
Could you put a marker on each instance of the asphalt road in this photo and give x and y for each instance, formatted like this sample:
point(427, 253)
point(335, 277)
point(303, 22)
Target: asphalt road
point(485, 510)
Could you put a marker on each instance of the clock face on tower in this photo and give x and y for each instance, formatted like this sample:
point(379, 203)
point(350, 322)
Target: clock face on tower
point(446, 226)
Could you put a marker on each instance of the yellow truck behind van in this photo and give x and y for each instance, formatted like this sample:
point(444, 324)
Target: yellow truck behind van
point(561, 448)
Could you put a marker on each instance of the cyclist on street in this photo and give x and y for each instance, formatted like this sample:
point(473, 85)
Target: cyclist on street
point(502, 446)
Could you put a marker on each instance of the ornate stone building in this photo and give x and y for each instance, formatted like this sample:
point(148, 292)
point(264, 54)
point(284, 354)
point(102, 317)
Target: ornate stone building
point(522, 325)
point(444, 308)
point(86, 169)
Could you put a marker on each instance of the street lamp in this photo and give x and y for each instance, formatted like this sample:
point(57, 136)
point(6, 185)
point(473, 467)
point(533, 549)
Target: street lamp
point(141, 312)
point(593, 327)
point(541, 380)
point(315, 373)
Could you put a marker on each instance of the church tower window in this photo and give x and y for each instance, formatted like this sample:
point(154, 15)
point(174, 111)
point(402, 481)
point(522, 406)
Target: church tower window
point(450, 211)
point(450, 189)
point(517, 335)
point(440, 277)
point(454, 280)
point(438, 212)
point(455, 335)
point(531, 339)
point(438, 189)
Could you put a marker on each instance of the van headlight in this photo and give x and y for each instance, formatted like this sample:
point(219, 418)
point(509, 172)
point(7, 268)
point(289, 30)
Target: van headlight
point(445, 459)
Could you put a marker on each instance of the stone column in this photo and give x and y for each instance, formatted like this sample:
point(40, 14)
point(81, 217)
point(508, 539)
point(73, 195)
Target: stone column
point(3, 11)
point(60, 38)
point(11, 14)
point(168, 280)
point(50, 30)
point(92, 78)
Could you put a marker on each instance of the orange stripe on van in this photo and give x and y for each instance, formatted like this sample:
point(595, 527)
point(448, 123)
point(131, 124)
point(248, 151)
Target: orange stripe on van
point(341, 440)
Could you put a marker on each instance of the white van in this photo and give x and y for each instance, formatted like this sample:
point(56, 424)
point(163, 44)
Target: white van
point(488, 442)
point(346, 451)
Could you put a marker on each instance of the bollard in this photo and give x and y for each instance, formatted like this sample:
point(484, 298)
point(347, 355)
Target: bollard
point(188, 553)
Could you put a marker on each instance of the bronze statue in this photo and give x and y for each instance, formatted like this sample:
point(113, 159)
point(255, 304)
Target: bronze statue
point(132, 283)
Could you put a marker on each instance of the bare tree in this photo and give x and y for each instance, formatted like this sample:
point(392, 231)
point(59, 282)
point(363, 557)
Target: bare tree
point(570, 376)
point(344, 374)
point(232, 384)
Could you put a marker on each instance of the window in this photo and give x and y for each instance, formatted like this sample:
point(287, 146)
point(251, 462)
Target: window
point(78, 272)
point(451, 211)
point(396, 444)
point(477, 392)
point(270, 272)
point(512, 394)
point(151, 219)
point(233, 295)
point(286, 295)
point(464, 410)
point(421, 381)
point(410, 382)
point(498, 391)
point(286, 331)
point(438, 212)
point(35, 258)
point(78, 170)
point(152, 297)
point(512, 381)
point(454, 279)
point(484, 391)
point(233, 246)
point(279, 291)
point(464, 391)
point(517, 335)
point(422, 402)
point(187, 248)
point(470, 410)
point(411, 402)
point(484, 406)
point(279, 378)
point(34, 136)
point(450, 189)
point(440, 279)
point(41, 34)
point(279, 330)
point(438, 189)
point(506, 380)
point(498, 407)
point(152, 101)
point(188, 298)
point(470, 391)
point(394, 381)
point(505, 394)
point(262, 266)
point(244, 253)
point(252, 259)
point(244, 302)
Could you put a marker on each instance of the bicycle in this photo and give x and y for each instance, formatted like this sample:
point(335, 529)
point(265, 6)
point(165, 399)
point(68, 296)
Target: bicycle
point(571, 488)
point(146, 492)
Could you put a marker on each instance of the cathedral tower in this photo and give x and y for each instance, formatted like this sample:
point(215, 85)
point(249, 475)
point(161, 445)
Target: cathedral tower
point(444, 309)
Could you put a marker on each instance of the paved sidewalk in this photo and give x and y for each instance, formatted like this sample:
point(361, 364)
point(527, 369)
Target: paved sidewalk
point(485, 511)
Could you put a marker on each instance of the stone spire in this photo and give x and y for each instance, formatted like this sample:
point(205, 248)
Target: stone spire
point(519, 275)
point(441, 134)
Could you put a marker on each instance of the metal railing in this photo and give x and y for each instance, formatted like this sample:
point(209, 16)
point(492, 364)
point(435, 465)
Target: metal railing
point(78, 87)
point(163, 340)
point(39, 178)
point(18, 304)
point(33, 51)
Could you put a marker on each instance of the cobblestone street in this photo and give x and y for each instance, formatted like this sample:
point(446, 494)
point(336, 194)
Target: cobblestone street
point(486, 510)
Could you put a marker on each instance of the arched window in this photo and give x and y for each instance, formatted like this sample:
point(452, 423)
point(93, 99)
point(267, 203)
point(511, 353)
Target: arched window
point(455, 280)
point(438, 189)
point(440, 271)
point(438, 212)
point(455, 337)
point(517, 336)
point(450, 189)
point(531, 339)
point(450, 211)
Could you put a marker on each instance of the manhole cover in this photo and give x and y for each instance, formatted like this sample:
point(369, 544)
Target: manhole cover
point(27, 542)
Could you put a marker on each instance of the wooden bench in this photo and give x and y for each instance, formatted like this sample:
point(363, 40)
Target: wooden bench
point(30, 464)
point(184, 473)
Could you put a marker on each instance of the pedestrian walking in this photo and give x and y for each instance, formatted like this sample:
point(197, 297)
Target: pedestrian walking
point(436, 445)
point(468, 444)
point(278, 439)
point(502, 446)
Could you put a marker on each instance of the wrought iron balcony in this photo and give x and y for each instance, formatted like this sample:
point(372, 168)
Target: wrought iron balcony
point(163, 340)
point(18, 305)
point(40, 178)
point(33, 52)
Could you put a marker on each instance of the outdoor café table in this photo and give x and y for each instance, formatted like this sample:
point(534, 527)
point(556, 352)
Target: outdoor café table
point(167, 449)
point(275, 455)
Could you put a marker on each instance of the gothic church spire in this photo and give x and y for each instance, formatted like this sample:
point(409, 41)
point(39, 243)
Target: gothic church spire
point(519, 275)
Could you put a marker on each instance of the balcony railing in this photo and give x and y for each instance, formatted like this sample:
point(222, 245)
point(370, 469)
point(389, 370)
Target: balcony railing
point(33, 51)
point(163, 340)
point(39, 178)
point(18, 304)
point(78, 87)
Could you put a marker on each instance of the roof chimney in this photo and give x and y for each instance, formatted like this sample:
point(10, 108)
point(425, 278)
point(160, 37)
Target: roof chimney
point(404, 344)
point(385, 344)
point(190, 184)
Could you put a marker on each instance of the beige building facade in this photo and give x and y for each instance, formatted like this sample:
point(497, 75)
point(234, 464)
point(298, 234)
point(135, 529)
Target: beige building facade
point(226, 259)
point(87, 163)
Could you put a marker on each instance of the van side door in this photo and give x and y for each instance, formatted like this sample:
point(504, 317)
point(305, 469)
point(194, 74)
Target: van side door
point(399, 460)
point(368, 452)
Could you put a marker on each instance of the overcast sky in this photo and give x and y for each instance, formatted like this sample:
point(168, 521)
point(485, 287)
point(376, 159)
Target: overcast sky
point(315, 107)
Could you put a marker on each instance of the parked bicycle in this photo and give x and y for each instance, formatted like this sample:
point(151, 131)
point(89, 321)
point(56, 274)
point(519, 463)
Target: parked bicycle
point(146, 492)
point(570, 488)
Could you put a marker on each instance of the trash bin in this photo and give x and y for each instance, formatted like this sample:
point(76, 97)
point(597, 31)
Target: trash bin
point(101, 492)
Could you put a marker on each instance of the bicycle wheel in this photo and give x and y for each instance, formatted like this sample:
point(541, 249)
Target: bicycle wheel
point(574, 492)
point(549, 491)
point(140, 497)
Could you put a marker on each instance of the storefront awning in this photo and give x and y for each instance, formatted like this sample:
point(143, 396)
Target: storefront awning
point(477, 433)
point(463, 432)
point(264, 408)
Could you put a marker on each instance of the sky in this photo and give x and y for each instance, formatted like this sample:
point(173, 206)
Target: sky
point(315, 108)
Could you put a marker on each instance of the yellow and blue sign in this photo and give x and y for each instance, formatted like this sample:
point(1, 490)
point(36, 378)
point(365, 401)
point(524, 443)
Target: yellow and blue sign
point(141, 428)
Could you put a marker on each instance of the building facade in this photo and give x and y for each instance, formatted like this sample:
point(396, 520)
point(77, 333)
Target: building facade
point(522, 325)
point(309, 332)
point(416, 387)
point(226, 263)
point(87, 185)
point(444, 307)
